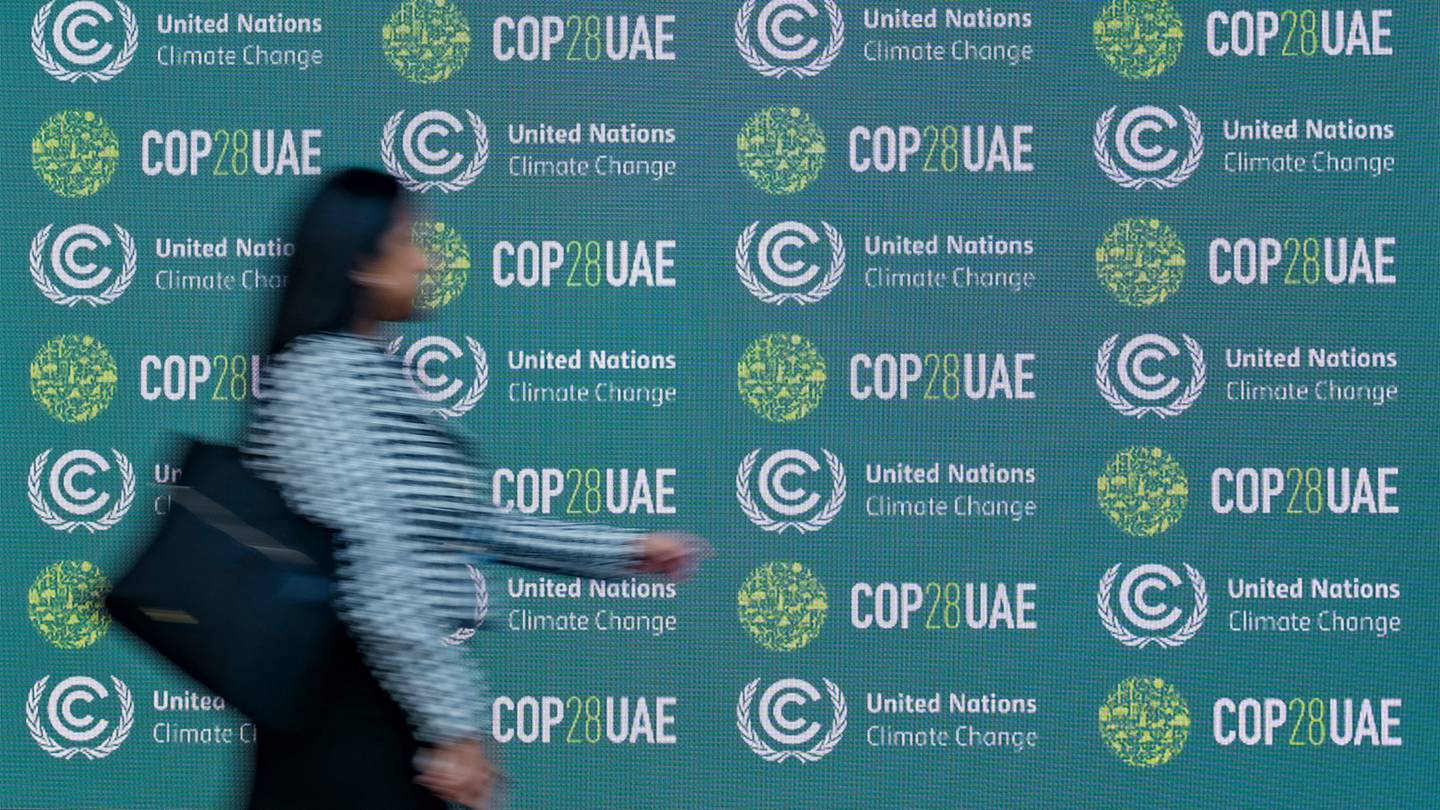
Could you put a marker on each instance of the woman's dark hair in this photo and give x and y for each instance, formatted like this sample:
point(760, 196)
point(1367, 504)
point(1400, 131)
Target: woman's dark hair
point(341, 224)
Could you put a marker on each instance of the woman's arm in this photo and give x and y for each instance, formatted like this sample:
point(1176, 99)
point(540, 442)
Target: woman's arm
point(582, 549)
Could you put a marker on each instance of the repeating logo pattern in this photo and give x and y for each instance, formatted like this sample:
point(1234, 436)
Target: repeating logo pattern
point(779, 726)
point(781, 376)
point(1142, 162)
point(781, 149)
point(1139, 39)
point(427, 41)
point(783, 605)
point(1137, 368)
point(64, 45)
point(75, 152)
point(60, 709)
point(779, 268)
point(73, 377)
point(426, 362)
point(1145, 721)
point(1151, 618)
point(1140, 261)
point(1143, 490)
point(776, 42)
point(67, 604)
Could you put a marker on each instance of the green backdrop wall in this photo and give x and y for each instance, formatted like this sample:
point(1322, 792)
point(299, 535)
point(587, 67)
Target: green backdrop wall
point(1056, 381)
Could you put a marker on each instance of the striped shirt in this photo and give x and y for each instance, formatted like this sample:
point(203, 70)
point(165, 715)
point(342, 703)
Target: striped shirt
point(352, 446)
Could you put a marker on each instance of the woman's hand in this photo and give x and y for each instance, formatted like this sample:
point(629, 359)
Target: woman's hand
point(674, 554)
point(460, 771)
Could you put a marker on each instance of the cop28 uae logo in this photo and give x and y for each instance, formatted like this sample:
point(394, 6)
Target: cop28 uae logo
point(783, 276)
point(785, 500)
point(781, 376)
point(75, 153)
point(774, 29)
point(73, 377)
point(66, 604)
point(426, 362)
point(1145, 721)
point(421, 152)
point(68, 260)
point(1141, 261)
point(781, 149)
point(1144, 617)
point(426, 40)
point(69, 484)
point(65, 710)
point(448, 259)
point(782, 734)
point(1141, 376)
point(1139, 39)
point(1143, 162)
point(1143, 490)
point(783, 605)
point(65, 43)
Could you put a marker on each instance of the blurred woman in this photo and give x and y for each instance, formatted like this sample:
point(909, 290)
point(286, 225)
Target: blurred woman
point(352, 446)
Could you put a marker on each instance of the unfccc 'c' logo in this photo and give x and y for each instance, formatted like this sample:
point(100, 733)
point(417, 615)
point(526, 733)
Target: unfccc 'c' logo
point(1142, 374)
point(788, 495)
point(426, 368)
point(65, 712)
point(422, 152)
point(68, 484)
point(782, 724)
point(65, 46)
point(786, 272)
point(69, 260)
point(775, 28)
point(1144, 162)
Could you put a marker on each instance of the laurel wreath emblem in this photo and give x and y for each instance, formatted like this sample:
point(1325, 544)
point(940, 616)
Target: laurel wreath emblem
point(55, 749)
point(1124, 406)
point(477, 386)
point(1182, 172)
point(758, 516)
point(1123, 634)
point(108, 296)
point(769, 754)
point(754, 59)
point(60, 524)
point(64, 74)
point(769, 296)
point(482, 607)
point(396, 167)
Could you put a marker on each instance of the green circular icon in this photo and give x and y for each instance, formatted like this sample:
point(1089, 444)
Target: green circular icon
point(1141, 261)
point(781, 148)
point(73, 377)
point(427, 40)
point(75, 153)
point(1139, 39)
point(67, 604)
point(449, 263)
point(1143, 490)
point(783, 606)
point(1145, 721)
point(781, 376)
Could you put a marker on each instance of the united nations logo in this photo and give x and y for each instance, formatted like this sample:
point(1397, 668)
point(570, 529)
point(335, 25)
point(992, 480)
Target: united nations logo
point(781, 376)
point(782, 504)
point(1145, 721)
point(1141, 376)
point(797, 279)
point(67, 485)
point(67, 604)
point(427, 40)
point(449, 263)
point(783, 606)
point(79, 53)
point(1145, 617)
point(782, 149)
point(445, 391)
point(73, 377)
point(1141, 261)
point(1144, 163)
point(75, 153)
point(66, 260)
point(476, 582)
point(782, 735)
point(1143, 491)
point(62, 714)
point(800, 53)
point(1139, 39)
point(439, 166)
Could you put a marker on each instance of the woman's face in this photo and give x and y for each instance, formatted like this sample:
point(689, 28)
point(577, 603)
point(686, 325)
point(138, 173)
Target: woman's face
point(391, 278)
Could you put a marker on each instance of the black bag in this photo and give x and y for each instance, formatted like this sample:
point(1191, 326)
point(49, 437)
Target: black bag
point(235, 589)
